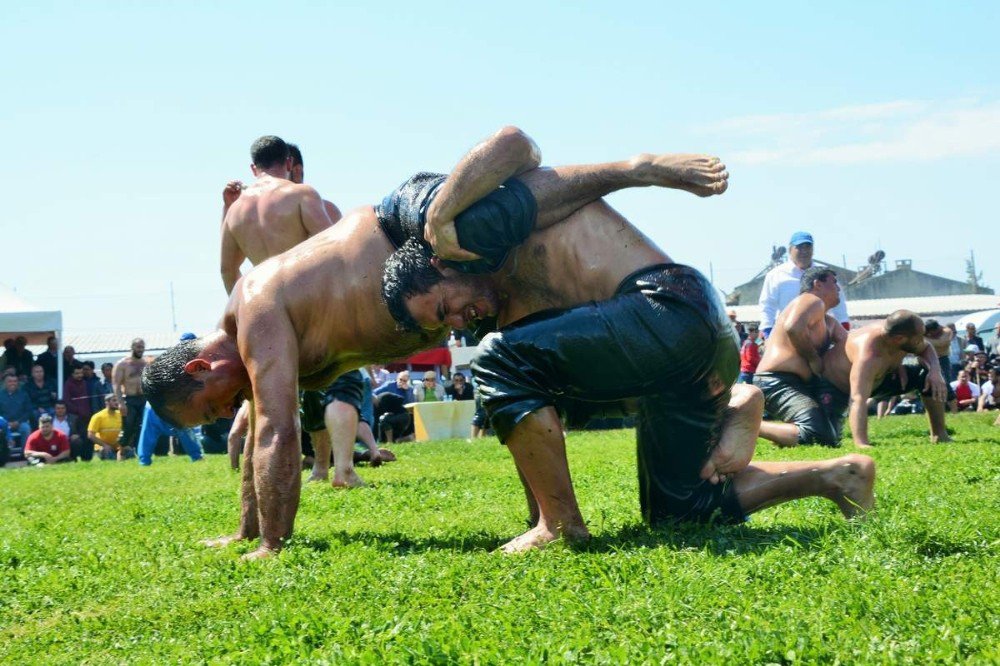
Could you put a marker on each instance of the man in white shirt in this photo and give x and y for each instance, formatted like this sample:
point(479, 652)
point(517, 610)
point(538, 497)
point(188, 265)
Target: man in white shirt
point(781, 284)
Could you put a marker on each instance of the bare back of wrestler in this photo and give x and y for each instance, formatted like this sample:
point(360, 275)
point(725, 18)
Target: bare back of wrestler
point(306, 316)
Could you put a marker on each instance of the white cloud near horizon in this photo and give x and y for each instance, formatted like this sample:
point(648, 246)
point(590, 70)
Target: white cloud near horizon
point(902, 130)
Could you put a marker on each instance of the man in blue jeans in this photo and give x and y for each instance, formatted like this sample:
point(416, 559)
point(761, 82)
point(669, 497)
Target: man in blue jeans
point(153, 427)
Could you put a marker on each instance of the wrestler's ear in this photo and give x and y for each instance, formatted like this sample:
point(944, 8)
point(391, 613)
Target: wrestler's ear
point(196, 365)
point(439, 264)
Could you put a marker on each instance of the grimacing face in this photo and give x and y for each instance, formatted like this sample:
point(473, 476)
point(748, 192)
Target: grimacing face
point(456, 303)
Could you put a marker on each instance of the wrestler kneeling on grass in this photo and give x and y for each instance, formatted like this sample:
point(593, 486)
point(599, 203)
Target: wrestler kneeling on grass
point(589, 311)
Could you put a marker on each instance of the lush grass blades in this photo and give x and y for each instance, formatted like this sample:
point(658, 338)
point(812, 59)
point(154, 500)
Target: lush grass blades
point(100, 563)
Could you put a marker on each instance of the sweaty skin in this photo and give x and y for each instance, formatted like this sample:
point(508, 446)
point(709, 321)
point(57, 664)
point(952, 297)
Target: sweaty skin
point(860, 363)
point(269, 217)
point(306, 316)
point(585, 258)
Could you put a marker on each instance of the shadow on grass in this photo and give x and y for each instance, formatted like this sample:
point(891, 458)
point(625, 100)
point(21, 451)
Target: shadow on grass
point(720, 540)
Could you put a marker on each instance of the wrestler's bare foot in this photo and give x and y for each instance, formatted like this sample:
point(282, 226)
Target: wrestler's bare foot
point(942, 439)
point(541, 535)
point(318, 476)
point(739, 434)
point(852, 483)
point(222, 541)
point(387, 455)
point(703, 175)
point(863, 446)
point(260, 554)
point(348, 480)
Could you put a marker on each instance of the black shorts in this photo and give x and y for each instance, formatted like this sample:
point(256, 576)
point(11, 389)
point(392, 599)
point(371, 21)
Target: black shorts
point(663, 339)
point(348, 388)
point(490, 227)
point(916, 376)
point(816, 407)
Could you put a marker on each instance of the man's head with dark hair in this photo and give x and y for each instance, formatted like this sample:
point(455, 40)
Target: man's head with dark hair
point(932, 326)
point(408, 272)
point(269, 151)
point(196, 381)
point(423, 295)
point(297, 174)
point(906, 330)
point(822, 283)
point(164, 381)
point(813, 275)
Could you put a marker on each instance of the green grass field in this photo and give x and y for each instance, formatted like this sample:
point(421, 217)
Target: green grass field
point(99, 563)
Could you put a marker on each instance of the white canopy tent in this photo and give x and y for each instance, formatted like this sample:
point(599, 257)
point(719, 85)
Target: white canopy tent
point(17, 317)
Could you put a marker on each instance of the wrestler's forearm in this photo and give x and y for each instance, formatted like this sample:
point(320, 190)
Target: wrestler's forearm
point(507, 153)
point(276, 480)
point(859, 421)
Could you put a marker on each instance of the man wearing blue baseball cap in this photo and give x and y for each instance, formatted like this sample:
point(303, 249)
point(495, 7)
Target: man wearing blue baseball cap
point(781, 284)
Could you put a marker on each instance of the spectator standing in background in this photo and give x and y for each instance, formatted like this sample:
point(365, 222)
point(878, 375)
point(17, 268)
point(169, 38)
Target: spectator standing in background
point(460, 388)
point(76, 395)
point(41, 392)
point(994, 347)
point(69, 362)
point(781, 284)
point(106, 384)
point(46, 445)
point(379, 376)
point(93, 387)
point(23, 359)
point(737, 326)
point(954, 352)
point(971, 338)
point(15, 408)
point(49, 359)
point(749, 356)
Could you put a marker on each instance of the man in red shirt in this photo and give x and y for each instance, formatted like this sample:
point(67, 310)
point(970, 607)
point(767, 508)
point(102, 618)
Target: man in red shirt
point(46, 445)
point(749, 356)
point(966, 392)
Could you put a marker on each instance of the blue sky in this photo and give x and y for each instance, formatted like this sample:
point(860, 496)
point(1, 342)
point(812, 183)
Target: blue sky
point(870, 125)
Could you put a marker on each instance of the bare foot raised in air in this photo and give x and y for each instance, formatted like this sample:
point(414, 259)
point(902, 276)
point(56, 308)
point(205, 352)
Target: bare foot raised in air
point(739, 434)
point(222, 541)
point(852, 483)
point(348, 480)
point(703, 175)
point(541, 535)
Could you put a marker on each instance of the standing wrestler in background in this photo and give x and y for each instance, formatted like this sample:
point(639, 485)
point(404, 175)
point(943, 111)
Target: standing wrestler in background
point(271, 216)
point(127, 378)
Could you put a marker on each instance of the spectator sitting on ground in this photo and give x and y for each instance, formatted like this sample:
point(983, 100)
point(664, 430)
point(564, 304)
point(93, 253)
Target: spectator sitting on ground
point(46, 445)
point(41, 392)
point(69, 425)
point(15, 408)
point(49, 359)
point(749, 355)
point(76, 395)
point(978, 369)
point(400, 387)
point(429, 390)
point(989, 396)
point(966, 393)
point(105, 429)
point(460, 388)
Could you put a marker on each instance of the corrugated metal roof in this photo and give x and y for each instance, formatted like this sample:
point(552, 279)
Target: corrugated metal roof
point(883, 307)
point(107, 342)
